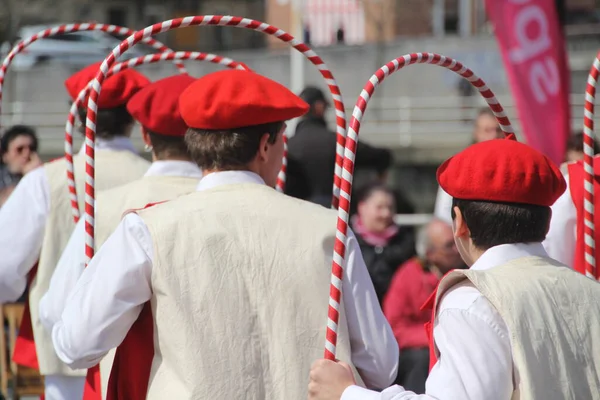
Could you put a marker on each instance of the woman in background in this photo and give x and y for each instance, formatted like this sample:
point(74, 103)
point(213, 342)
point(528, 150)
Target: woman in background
point(18, 155)
point(384, 245)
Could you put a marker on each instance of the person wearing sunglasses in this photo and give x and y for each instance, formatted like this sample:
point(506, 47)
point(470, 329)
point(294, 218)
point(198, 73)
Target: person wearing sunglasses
point(18, 151)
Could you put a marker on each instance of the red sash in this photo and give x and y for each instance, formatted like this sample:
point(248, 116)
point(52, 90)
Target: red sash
point(25, 353)
point(92, 389)
point(130, 374)
point(430, 305)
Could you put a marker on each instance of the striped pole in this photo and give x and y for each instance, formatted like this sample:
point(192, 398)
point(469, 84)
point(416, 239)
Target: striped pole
point(239, 22)
point(281, 178)
point(588, 171)
point(69, 28)
point(350, 155)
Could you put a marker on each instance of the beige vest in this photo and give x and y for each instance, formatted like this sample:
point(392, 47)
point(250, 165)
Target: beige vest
point(553, 317)
point(112, 203)
point(240, 292)
point(113, 168)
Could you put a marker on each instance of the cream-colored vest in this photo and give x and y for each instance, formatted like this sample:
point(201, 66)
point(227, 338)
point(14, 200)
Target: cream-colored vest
point(112, 203)
point(553, 317)
point(113, 168)
point(240, 293)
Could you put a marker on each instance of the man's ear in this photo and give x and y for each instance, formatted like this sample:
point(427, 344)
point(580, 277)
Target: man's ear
point(460, 227)
point(263, 148)
point(145, 137)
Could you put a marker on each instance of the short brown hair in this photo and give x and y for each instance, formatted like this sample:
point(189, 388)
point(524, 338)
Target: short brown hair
point(168, 147)
point(230, 149)
point(110, 122)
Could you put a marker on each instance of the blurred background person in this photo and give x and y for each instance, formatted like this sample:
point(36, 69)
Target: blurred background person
point(411, 285)
point(485, 127)
point(384, 245)
point(312, 149)
point(575, 147)
point(18, 150)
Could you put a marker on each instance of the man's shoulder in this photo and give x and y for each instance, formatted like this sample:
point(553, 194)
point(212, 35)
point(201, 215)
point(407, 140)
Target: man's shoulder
point(461, 296)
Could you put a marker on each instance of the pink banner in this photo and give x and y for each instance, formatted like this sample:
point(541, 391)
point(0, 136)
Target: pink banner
point(534, 55)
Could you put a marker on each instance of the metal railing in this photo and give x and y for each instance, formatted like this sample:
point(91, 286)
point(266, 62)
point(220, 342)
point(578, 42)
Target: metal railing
point(397, 123)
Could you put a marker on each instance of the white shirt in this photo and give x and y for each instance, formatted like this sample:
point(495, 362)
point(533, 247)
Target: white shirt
point(22, 223)
point(108, 298)
point(476, 358)
point(72, 262)
point(561, 240)
point(443, 206)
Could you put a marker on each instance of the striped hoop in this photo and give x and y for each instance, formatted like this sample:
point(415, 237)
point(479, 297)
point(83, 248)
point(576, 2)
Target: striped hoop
point(588, 171)
point(350, 155)
point(281, 178)
point(69, 28)
point(181, 23)
point(149, 59)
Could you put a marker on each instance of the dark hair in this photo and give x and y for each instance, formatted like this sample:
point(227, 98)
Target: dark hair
point(110, 122)
point(14, 132)
point(231, 149)
point(365, 192)
point(575, 143)
point(495, 223)
point(168, 147)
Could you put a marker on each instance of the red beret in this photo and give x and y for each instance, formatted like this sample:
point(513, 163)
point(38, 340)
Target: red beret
point(115, 91)
point(502, 170)
point(156, 106)
point(235, 99)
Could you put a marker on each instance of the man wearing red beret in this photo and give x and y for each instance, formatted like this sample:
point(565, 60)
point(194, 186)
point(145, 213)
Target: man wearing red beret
point(230, 282)
point(37, 221)
point(517, 324)
point(172, 174)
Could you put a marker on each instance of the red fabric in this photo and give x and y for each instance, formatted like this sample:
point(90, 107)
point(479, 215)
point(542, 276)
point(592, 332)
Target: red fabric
point(235, 99)
point(534, 54)
point(156, 107)
point(92, 389)
point(504, 171)
point(430, 305)
point(409, 289)
point(130, 374)
point(25, 353)
point(576, 189)
point(116, 90)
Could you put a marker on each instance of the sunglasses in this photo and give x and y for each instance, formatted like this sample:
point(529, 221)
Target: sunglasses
point(22, 148)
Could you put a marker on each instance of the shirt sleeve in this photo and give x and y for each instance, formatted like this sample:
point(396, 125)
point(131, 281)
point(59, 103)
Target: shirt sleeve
point(374, 348)
point(561, 239)
point(68, 270)
point(108, 297)
point(22, 223)
point(475, 361)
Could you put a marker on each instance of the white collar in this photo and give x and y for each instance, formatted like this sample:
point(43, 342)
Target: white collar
point(186, 169)
point(504, 253)
point(117, 143)
point(220, 178)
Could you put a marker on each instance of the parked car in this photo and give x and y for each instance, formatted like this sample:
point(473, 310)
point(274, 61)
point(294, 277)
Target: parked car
point(77, 48)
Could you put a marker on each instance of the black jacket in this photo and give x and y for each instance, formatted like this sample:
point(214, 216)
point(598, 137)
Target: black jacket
point(311, 160)
point(382, 263)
